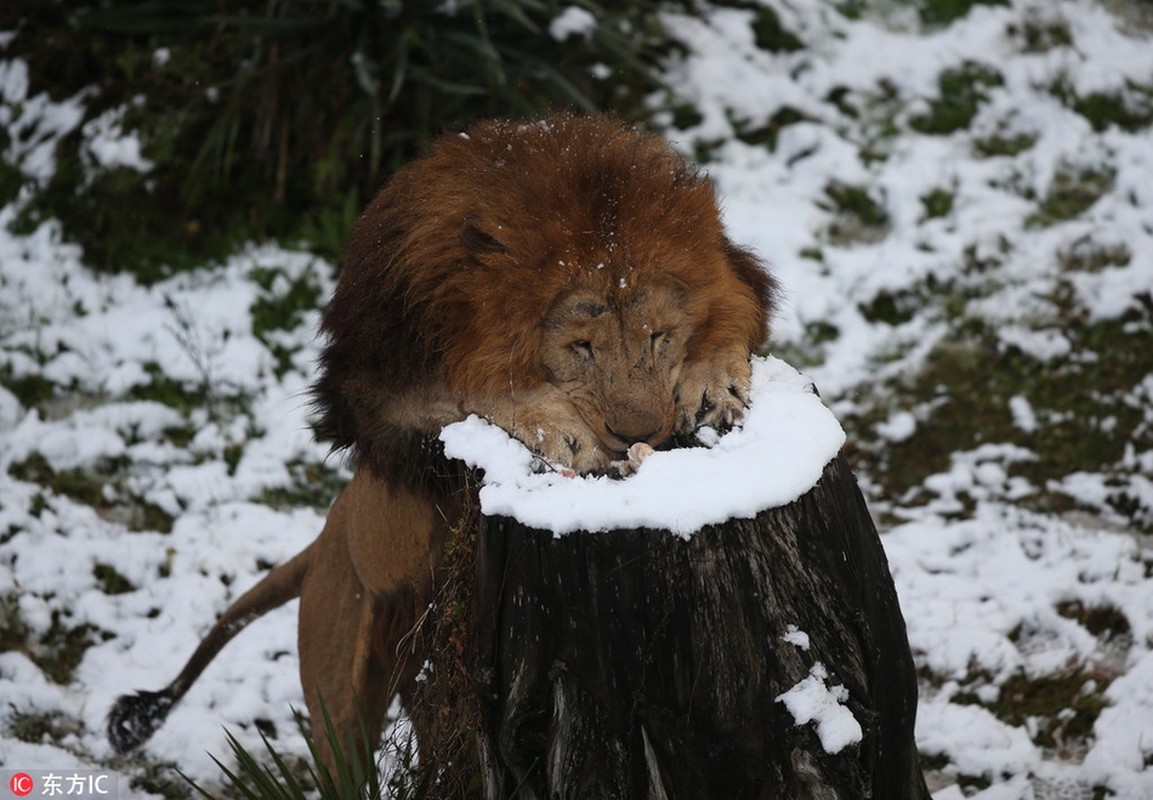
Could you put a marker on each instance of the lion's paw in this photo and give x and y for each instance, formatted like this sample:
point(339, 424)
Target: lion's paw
point(714, 393)
point(548, 425)
point(573, 448)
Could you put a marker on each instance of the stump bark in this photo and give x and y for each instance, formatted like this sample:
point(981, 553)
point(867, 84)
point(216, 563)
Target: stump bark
point(638, 664)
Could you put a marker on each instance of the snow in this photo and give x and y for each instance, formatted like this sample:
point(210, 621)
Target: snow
point(111, 147)
point(771, 458)
point(988, 581)
point(572, 21)
point(796, 637)
point(812, 700)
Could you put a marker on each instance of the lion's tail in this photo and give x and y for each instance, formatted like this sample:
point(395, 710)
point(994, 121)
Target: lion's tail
point(135, 717)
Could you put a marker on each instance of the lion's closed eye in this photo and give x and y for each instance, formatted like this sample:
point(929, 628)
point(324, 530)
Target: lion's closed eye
point(584, 349)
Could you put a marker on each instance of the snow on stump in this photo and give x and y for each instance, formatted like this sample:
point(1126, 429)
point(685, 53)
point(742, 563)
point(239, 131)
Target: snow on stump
point(721, 624)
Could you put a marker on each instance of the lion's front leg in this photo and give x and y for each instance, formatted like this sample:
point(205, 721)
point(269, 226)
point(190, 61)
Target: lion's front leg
point(548, 423)
point(713, 391)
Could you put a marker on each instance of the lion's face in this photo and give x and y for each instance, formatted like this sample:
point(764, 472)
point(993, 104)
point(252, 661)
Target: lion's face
point(618, 361)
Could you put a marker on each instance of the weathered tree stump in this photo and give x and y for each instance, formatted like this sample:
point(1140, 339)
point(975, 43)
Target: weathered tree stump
point(639, 664)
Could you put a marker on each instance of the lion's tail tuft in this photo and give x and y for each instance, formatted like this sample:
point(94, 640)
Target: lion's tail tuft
point(135, 717)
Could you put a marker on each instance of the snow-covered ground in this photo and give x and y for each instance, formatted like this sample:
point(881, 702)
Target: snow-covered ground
point(155, 455)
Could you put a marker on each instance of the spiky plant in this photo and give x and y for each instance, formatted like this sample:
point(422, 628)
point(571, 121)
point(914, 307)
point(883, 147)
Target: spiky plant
point(272, 776)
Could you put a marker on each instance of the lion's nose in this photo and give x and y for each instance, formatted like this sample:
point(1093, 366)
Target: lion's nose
point(639, 427)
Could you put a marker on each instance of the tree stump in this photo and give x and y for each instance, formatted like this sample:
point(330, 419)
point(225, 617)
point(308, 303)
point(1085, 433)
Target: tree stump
point(639, 664)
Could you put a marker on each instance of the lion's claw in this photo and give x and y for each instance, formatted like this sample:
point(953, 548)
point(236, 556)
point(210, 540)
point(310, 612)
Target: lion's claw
point(722, 395)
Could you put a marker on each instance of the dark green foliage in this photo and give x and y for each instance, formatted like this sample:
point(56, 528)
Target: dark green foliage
point(1130, 109)
point(59, 652)
point(282, 304)
point(937, 203)
point(1072, 192)
point(1087, 255)
point(875, 112)
point(892, 308)
point(933, 13)
point(272, 776)
point(858, 216)
point(768, 31)
point(111, 581)
point(37, 727)
point(961, 92)
point(11, 179)
point(766, 135)
point(1057, 704)
point(1037, 34)
point(855, 200)
point(771, 35)
point(312, 485)
point(943, 12)
point(87, 485)
point(852, 9)
point(31, 390)
point(1103, 110)
point(13, 632)
point(282, 118)
point(1003, 144)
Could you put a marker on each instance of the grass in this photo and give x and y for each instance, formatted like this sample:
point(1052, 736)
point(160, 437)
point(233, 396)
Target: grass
point(872, 115)
point(965, 392)
point(1129, 109)
point(857, 216)
point(767, 135)
point(1038, 34)
point(313, 485)
point(1059, 709)
point(33, 391)
point(44, 727)
point(937, 13)
point(937, 203)
point(1072, 192)
point(1003, 144)
point(961, 91)
point(58, 651)
point(1088, 255)
point(770, 33)
point(104, 486)
point(282, 305)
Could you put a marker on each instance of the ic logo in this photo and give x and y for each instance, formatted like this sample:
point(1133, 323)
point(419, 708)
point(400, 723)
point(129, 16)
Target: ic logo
point(21, 784)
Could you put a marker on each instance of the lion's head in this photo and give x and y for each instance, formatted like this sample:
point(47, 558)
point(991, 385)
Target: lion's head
point(575, 253)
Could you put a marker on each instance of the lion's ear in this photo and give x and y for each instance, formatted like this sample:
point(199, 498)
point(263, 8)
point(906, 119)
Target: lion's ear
point(755, 274)
point(477, 241)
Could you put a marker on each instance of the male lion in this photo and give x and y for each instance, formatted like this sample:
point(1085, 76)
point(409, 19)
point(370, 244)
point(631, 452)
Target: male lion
point(569, 280)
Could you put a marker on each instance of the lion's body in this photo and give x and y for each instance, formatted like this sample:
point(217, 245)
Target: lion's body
point(571, 281)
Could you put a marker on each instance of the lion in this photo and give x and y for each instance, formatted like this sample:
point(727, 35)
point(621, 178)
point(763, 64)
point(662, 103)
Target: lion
point(569, 280)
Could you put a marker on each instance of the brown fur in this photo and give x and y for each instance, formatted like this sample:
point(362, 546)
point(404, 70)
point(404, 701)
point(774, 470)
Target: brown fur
point(570, 280)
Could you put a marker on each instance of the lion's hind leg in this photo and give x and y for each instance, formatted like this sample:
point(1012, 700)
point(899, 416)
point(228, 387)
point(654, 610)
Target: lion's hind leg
point(354, 638)
point(353, 662)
